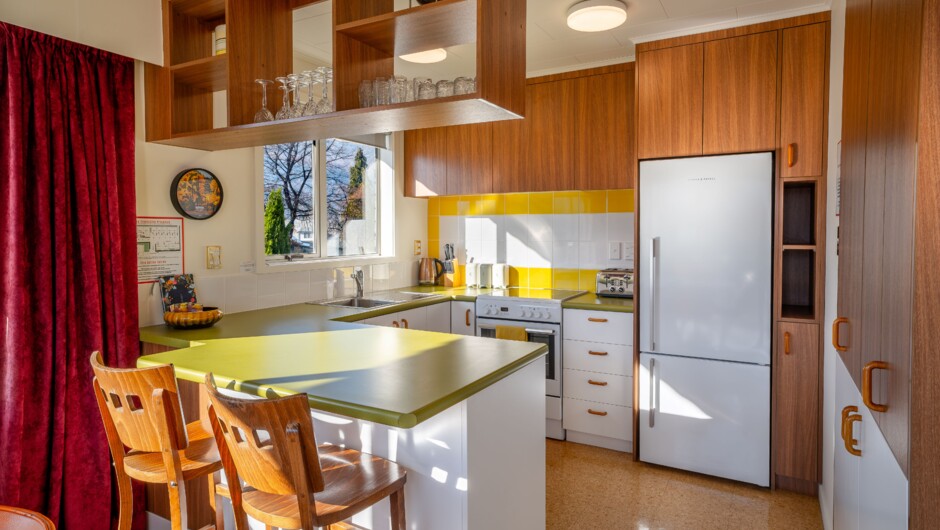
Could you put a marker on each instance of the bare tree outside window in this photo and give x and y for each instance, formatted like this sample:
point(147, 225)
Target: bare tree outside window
point(351, 199)
point(289, 167)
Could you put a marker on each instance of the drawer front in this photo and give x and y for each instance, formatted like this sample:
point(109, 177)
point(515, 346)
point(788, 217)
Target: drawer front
point(602, 388)
point(608, 420)
point(599, 326)
point(614, 359)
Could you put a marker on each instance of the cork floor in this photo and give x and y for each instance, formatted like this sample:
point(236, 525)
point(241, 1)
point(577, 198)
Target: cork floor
point(590, 487)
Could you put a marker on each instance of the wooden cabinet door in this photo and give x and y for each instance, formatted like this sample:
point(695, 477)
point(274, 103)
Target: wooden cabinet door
point(796, 398)
point(469, 158)
point(803, 100)
point(603, 148)
point(740, 94)
point(669, 102)
point(425, 167)
point(550, 149)
point(510, 174)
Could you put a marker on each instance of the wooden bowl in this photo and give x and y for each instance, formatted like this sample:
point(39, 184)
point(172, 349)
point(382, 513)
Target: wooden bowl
point(193, 319)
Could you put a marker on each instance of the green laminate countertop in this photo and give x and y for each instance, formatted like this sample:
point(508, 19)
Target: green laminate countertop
point(396, 377)
point(592, 302)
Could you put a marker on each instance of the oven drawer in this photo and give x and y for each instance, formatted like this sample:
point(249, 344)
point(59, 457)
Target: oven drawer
point(599, 326)
point(614, 359)
point(602, 388)
point(598, 419)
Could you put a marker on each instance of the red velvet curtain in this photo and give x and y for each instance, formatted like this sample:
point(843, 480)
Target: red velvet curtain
point(68, 262)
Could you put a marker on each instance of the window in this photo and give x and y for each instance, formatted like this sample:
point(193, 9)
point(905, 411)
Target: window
point(320, 200)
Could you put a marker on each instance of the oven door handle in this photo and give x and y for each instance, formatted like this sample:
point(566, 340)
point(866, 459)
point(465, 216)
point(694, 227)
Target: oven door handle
point(539, 332)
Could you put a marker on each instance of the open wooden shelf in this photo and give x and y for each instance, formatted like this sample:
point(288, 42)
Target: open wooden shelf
point(436, 25)
point(210, 73)
point(201, 9)
point(461, 109)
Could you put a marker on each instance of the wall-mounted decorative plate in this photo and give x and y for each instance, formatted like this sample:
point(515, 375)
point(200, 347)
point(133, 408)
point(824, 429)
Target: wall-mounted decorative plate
point(196, 194)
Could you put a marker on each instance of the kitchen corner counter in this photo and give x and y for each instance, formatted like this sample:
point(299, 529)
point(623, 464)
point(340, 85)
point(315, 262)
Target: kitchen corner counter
point(592, 302)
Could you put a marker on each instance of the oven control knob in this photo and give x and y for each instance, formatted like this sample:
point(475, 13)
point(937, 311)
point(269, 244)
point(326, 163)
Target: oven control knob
point(537, 314)
point(548, 315)
point(525, 313)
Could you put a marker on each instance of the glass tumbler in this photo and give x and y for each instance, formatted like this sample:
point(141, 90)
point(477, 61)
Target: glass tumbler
point(366, 96)
point(445, 88)
point(425, 88)
point(380, 90)
point(398, 89)
point(462, 85)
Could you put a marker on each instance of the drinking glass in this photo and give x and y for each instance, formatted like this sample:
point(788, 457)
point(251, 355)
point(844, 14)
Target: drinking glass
point(285, 110)
point(310, 108)
point(365, 94)
point(425, 88)
point(380, 91)
point(473, 85)
point(325, 76)
point(398, 89)
point(462, 85)
point(297, 83)
point(264, 114)
point(409, 91)
point(445, 88)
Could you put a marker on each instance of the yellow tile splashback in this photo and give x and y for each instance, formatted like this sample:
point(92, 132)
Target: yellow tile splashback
point(516, 203)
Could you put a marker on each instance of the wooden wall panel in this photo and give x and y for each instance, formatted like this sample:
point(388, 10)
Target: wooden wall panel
point(669, 103)
point(469, 157)
point(740, 97)
point(550, 139)
point(509, 168)
point(601, 132)
point(425, 162)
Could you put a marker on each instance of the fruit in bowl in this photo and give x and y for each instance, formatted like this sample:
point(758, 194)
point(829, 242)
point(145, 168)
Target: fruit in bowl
point(191, 316)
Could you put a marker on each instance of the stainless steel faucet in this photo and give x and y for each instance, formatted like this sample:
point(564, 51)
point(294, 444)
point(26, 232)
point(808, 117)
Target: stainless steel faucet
point(357, 275)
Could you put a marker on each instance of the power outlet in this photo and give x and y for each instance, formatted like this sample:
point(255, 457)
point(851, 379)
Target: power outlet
point(418, 251)
point(613, 251)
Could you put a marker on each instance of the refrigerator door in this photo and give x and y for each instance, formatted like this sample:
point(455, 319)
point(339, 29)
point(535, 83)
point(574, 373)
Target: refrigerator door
point(710, 417)
point(706, 229)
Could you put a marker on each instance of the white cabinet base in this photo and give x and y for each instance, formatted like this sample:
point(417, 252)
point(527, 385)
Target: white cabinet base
point(615, 444)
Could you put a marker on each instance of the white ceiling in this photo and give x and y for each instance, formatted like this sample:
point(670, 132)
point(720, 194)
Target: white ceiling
point(552, 47)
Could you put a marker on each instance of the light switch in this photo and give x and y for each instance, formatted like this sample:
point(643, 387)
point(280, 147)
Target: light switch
point(614, 251)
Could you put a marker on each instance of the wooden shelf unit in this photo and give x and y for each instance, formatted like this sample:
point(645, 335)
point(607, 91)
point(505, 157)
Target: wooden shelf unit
point(367, 36)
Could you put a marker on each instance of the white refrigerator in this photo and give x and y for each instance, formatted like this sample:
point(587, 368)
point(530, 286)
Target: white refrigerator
point(706, 258)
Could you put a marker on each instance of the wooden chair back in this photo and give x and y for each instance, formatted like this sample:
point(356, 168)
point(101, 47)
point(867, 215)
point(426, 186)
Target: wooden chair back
point(12, 518)
point(138, 418)
point(270, 442)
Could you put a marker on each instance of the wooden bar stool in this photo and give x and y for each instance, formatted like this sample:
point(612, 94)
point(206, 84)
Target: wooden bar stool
point(21, 519)
point(290, 482)
point(141, 409)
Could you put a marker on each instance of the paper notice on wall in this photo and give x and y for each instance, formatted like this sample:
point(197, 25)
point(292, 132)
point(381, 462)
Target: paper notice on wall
point(159, 247)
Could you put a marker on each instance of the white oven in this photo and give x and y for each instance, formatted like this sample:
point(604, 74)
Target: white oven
point(541, 332)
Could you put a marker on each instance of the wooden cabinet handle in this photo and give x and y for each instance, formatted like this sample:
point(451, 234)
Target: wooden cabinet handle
point(590, 352)
point(395, 324)
point(866, 385)
point(791, 155)
point(836, 343)
point(404, 322)
point(597, 383)
point(786, 343)
point(849, 417)
point(468, 318)
point(597, 412)
point(599, 320)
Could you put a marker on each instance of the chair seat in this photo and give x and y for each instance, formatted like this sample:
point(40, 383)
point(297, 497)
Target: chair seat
point(197, 460)
point(353, 480)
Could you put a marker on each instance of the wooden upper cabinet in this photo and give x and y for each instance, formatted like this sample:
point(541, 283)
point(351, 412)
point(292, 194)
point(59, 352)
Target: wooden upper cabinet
point(796, 385)
point(426, 162)
point(551, 145)
point(740, 94)
point(605, 158)
point(803, 100)
point(469, 159)
point(509, 169)
point(669, 102)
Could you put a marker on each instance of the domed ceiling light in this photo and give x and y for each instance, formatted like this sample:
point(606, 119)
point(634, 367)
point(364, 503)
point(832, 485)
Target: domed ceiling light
point(597, 15)
point(429, 56)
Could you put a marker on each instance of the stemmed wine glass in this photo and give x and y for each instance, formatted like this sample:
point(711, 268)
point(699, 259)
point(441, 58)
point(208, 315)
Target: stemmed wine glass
point(264, 114)
point(296, 82)
point(285, 110)
point(311, 107)
point(325, 74)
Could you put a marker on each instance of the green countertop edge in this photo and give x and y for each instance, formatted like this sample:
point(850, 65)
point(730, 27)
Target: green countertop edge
point(376, 415)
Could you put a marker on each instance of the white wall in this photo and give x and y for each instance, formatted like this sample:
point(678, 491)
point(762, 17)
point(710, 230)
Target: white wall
point(132, 28)
point(836, 66)
point(234, 229)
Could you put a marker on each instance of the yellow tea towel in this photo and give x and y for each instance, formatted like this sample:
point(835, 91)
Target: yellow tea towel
point(512, 333)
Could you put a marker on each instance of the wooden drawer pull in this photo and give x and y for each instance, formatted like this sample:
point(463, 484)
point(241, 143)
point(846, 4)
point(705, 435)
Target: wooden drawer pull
point(791, 155)
point(866, 385)
point(849, 417)
point(597, 383)
point(836, 343)
point(599, 320)
point(404, 322)
point(597, 412)
point(395, 324)
point(590, 352)
point(786, 343)
point(468, 318)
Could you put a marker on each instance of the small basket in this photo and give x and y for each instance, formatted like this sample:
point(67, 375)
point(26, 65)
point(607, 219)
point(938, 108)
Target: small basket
point(193, 319)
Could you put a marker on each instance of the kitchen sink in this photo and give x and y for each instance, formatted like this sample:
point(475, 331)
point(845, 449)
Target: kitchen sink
point(357, 302)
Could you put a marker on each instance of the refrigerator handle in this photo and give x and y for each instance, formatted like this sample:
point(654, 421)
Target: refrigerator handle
point(652, 393)
point(654, 257)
